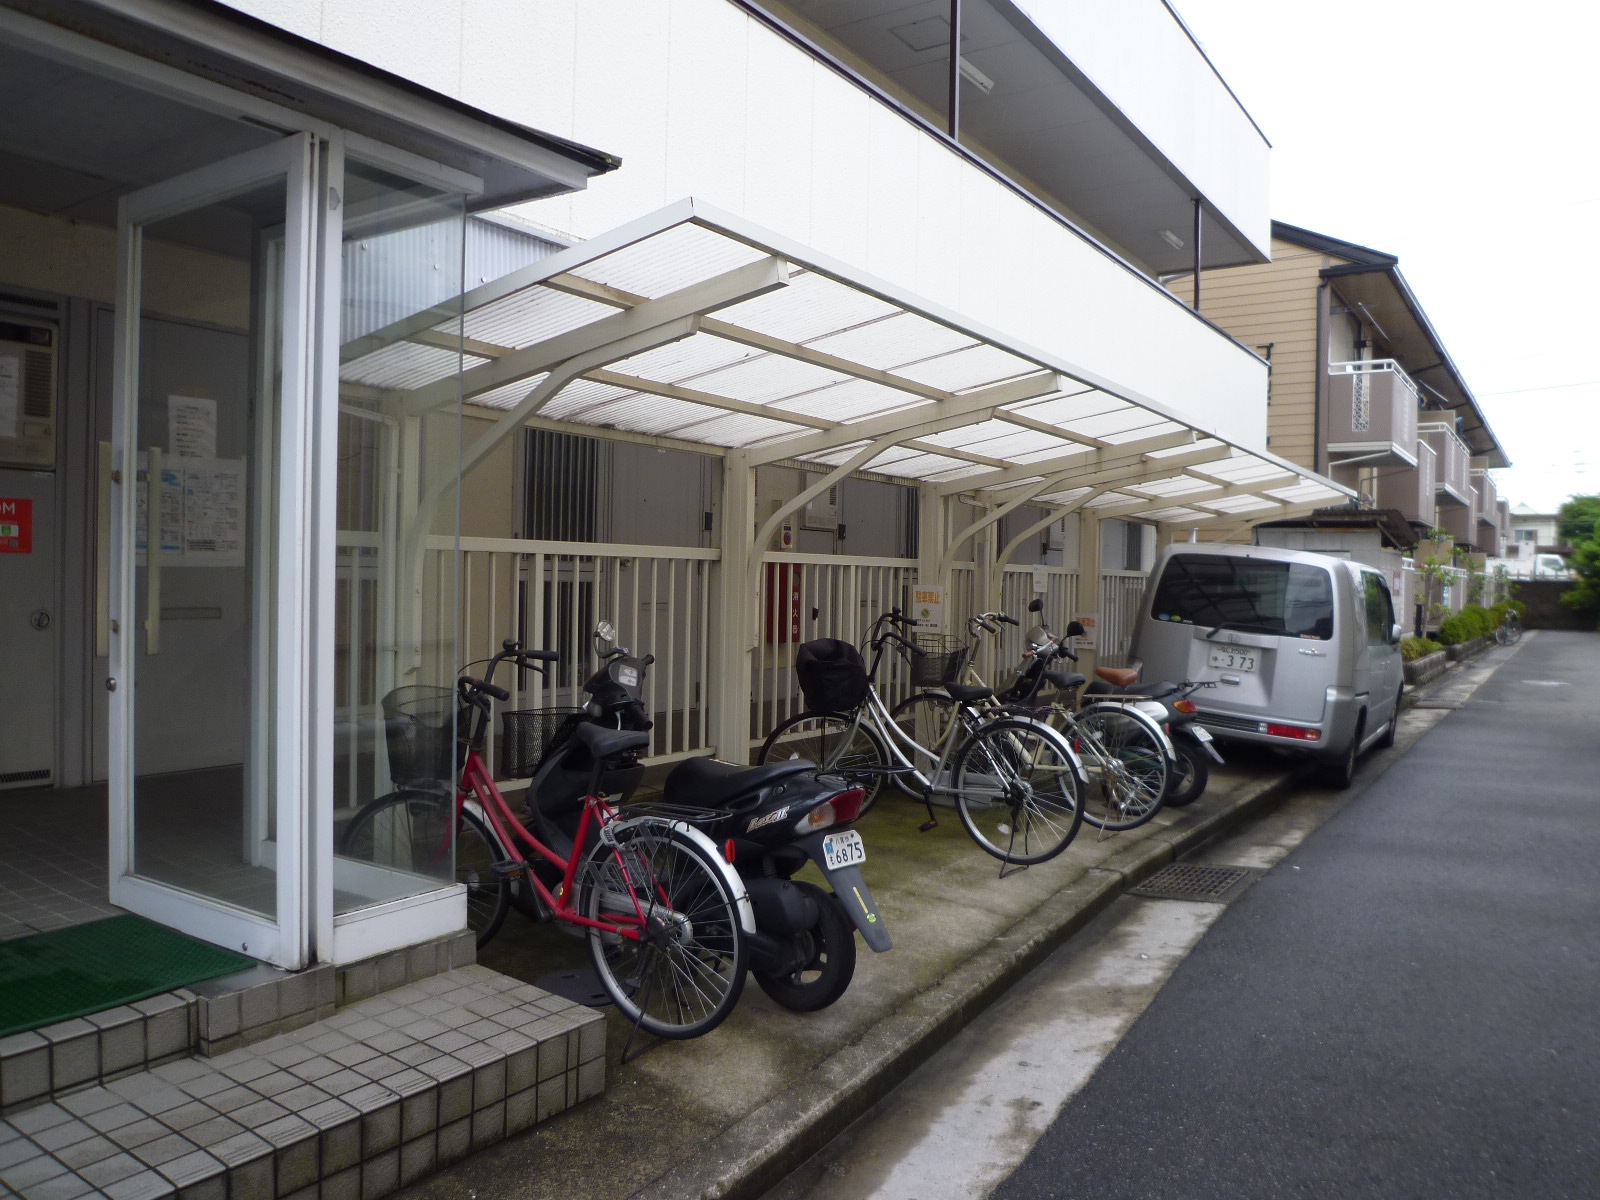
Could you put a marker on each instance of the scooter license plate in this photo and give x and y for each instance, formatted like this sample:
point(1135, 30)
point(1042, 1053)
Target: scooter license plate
point(843, 849)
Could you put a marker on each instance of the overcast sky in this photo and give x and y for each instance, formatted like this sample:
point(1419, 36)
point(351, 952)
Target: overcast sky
point(1465, 139)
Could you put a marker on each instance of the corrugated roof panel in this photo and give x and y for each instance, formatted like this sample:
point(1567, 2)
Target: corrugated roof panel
point(737, 429)
point(1107, 425)
point(532, 315)
point(508, 395)
point(810, 307)
point(686, 360)
point(965, 370)
point(891, 344)
point(851, 400)
point(1138, 433)
point(1238, 504)
point(1179, 486)
point(767, 379)
point(1062, 410)
point(669, 261)
point(406, 365)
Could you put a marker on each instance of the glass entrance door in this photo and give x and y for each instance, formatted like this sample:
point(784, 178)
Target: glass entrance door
point(209, 570)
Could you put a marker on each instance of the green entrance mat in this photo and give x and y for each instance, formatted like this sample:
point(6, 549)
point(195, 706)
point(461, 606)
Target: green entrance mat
point(50, 977)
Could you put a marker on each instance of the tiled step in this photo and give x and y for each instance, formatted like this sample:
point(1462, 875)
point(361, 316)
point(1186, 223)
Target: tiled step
point(349, 1108)
point(206, 1018)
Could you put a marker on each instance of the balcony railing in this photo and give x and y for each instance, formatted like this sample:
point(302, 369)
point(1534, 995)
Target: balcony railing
point(1371, 413)
point(1451, 485)
point(1461, 521)
point(1488, 506)
point(1411, 491)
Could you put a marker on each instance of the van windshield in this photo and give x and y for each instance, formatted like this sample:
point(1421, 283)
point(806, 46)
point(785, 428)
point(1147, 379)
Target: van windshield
point(1252, 594)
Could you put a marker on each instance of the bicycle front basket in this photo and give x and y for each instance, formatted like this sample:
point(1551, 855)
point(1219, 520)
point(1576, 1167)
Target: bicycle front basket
point(420, 729)
point(528, 736)
point(938, 659)
point(833, 677)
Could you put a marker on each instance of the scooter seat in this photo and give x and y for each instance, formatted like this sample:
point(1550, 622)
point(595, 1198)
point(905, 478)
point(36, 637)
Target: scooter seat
point(711, 783)
point(1118, 676)
point(605, 743)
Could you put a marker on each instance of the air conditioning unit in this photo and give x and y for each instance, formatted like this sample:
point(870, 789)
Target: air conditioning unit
point(822, 512)
point(27, 396)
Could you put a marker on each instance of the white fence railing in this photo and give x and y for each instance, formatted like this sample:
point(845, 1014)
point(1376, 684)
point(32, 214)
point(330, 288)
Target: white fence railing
point(1121, 599)
point(550, 595)
point(805, 596)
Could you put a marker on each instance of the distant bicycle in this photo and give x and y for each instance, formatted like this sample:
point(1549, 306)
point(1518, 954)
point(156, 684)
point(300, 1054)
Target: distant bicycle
point(1509, 631)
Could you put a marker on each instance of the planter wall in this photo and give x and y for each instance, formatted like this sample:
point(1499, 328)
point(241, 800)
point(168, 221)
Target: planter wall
point(1429, 666)
point(1465, 650)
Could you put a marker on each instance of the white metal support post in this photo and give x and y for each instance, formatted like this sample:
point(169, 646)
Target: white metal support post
point(732, 635)
point(932, 533)
point(1089, 586)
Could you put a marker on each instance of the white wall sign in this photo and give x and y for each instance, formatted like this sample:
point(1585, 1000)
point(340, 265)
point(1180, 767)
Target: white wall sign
point(10, 393)
point(927, 607)
point(202, 512)
point(1091, 630)
point(1041, 581)
point(192, 426)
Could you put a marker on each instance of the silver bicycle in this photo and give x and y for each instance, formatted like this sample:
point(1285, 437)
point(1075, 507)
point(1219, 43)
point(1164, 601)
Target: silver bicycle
point(1015, 782)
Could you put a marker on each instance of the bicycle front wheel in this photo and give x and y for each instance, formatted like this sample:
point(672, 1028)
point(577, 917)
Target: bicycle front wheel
point(836, 744)
point(683, 974)
point(1128, 759)
point(1017, 791)
point(409, 831)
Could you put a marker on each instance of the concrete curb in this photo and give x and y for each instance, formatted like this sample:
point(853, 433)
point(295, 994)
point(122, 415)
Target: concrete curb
point(759, 1150)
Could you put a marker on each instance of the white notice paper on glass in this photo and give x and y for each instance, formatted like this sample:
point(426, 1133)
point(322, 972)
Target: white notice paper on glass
point(213, 512)
point(10, 393)
point(171, 493)
point(192, 426)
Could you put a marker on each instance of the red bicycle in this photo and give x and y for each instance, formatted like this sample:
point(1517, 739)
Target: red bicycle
point(665, 915)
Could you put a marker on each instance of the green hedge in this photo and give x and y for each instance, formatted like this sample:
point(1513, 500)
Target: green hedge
point(1473, 621)
point(1415, 647)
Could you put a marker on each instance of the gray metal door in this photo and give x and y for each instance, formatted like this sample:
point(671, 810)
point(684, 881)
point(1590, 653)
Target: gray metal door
point(29, 624)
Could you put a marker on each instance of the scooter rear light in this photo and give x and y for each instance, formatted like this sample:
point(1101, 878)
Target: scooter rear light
point(1186, 706)
point(819, 817)
point(847, 805)
point(1298, 732)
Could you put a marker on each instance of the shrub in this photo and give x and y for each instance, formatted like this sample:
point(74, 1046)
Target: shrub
point(1412, 648)
point(1473, 621)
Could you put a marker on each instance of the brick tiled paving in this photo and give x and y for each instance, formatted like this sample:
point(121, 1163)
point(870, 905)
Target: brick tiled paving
point(356, 1105)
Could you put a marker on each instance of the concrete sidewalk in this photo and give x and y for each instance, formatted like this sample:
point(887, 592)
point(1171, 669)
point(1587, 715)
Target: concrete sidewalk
point(730, 1114)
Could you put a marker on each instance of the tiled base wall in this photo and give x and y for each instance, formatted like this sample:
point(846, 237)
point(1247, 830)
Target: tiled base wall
point(349, 1108)
point(208, 1018)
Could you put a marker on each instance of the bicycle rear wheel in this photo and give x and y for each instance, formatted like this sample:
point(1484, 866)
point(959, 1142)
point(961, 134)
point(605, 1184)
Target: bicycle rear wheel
point(1017, 791)
point(836, 744)
point(683, 975)
point(1128, 759)
point(409, 831)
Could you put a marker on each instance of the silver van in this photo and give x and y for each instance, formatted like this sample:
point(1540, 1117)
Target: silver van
point(1303, 647)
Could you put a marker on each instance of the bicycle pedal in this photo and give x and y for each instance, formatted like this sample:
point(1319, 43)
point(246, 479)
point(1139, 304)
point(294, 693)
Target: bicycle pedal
point(512, 870)
point(927, 825)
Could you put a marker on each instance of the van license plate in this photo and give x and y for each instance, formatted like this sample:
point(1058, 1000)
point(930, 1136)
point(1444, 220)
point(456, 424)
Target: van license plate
point(843, 849)
point(1234, 660)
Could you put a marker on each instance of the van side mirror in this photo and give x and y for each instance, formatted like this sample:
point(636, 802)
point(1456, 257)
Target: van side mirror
point(1036, 605)
point(1076, 629)
point(1396, 632)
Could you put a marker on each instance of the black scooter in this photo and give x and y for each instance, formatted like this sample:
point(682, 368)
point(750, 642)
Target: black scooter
point(768, 820)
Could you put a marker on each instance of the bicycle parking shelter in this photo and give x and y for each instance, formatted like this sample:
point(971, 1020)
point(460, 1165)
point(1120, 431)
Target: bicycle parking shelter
point(258, 446)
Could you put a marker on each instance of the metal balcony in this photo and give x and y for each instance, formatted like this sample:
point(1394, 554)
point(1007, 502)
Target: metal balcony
point(1451, 484)
point(1410, 491)
point(1371, 414)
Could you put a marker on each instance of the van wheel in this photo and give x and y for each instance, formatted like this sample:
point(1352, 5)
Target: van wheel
point(1341, 774)
point(1386, 742)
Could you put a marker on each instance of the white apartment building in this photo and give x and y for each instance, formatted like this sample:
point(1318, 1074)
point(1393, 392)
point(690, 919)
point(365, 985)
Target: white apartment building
point(768, 331)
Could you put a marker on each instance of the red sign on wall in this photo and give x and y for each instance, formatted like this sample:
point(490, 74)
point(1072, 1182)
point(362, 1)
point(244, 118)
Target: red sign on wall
point(16, 525)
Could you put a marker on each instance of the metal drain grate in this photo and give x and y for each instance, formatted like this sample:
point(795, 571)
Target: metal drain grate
point(1185, 881)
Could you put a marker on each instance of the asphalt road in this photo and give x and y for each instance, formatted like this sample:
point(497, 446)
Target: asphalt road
point(1408, 1006)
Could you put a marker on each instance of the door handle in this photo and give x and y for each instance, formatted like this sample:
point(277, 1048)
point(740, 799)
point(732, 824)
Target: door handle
point(152, 553)
point(102, 558)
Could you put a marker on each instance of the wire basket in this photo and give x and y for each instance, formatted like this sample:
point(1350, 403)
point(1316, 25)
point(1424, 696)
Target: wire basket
point(419, 726)
point(938, 659)
point(528, 736)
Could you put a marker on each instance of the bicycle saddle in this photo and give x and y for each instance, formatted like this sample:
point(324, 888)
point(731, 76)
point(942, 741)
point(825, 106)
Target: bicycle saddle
point(1118, 676)
point(1064, 681)
point(966, 693)
point(709, 783)
point(603, 743)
